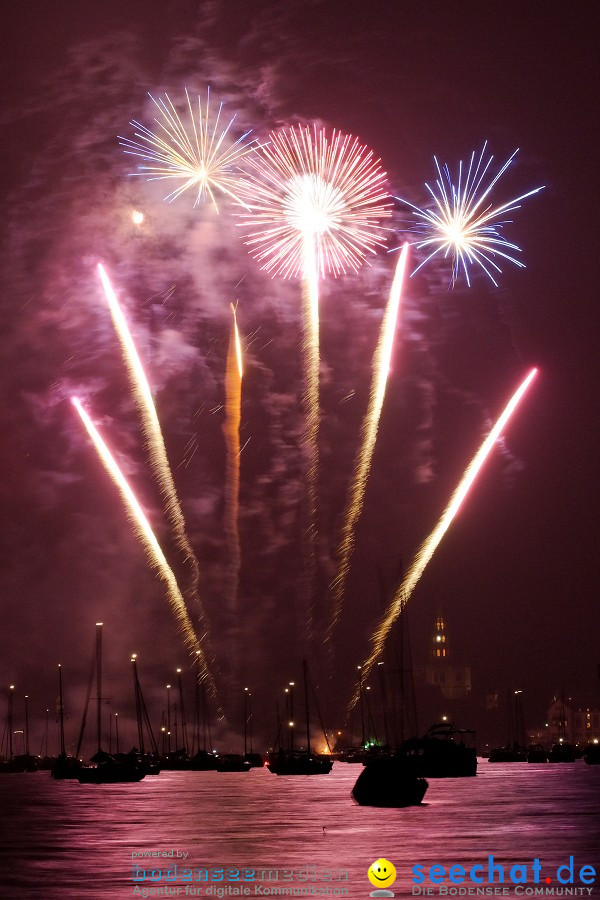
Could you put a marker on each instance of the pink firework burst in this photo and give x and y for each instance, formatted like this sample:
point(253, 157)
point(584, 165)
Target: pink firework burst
point(314, 199)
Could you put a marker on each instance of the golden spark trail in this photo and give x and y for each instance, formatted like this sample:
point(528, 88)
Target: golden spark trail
point(315, 203)
point(148, 539)
point(233, 403)
point(381, 367)
point(156, 447)
point(428, 547)
point(312, 361)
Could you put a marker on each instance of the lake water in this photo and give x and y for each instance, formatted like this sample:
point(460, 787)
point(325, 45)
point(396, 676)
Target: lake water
point(63, 839)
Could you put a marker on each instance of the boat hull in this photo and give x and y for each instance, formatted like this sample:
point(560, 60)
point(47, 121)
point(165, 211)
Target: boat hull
point(391, 783)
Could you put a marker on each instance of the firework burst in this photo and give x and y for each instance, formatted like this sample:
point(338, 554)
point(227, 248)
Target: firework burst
point(200, 156)
point(464, 223)
point(305, 187)
point(316, 202)
point(148, 539)
point(429, 546)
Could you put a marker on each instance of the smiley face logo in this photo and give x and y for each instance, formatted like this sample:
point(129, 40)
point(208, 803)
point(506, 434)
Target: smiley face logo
point(381, 873)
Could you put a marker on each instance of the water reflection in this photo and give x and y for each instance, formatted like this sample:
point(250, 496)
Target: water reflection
point(63, 839)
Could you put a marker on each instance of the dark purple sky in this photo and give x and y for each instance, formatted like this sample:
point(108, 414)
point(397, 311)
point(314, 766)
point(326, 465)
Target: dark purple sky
point(516, 576)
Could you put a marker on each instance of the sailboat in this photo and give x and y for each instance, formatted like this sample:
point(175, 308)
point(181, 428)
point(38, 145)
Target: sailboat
point(300, 762)
point(23, 762)
point(202, 760)
point(107, 769)
point(65, 766)
point(148, 761)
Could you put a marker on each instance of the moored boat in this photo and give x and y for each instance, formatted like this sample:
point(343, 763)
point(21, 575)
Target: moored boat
point(390, 781)
point(232, 762)
point(299, 762)
point(445, 751)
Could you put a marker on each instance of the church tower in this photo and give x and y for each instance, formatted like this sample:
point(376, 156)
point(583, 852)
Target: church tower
point(453, 681)
point(439, 649)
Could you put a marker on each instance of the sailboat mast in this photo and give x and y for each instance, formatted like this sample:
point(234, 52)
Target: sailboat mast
point(305, 676)
point(99, 680)
point(10, 720)
point(138, 710)
point(61, 711)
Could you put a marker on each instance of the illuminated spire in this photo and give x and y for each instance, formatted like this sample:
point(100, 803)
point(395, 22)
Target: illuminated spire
point(439, 650)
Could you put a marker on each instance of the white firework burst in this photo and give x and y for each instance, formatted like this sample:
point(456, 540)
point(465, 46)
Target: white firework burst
point(200, 155)
point(464, 223)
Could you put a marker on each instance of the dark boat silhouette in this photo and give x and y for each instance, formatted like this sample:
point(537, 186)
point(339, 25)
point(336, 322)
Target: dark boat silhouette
point(389, 781)
point(508, 754)
point(65, 766)
point(107, 769)
point(127, 767)
point(561, 752)
point(23, 762)
point(295, 761)
point(536, 754)
point(591, 755)
point(255, 759)
point(299, 762)
point(232, 762)
point(203, 761)
point(149, 761)
point(445, 751)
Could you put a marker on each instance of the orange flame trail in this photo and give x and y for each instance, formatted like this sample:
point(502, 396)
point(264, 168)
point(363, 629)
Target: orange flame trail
point(233, 402)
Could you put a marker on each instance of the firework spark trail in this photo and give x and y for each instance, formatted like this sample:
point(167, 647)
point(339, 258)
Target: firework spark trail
point(428, 547)
point(148, 539)
point(381, 367)
point(233, 401)
point(316, 202)
point(156, 447)
point(458, 225)
point(201, 156)
point(312, 364)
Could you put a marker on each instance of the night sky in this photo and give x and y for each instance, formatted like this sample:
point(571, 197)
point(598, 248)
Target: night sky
point(516, 577)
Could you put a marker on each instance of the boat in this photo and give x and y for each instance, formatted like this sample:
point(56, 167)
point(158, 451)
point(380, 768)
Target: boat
point(300, 761)
point(149, 761)
point(23, 762)
point(390, 781)
point(126, 767)
point(352, 755)
point(508, 754)
point(445, 751)
point(255, 759)
point(203, 761)
point(65, 766)
point(561, 753)
point(107, 769)
point(536, 753)
point(591, 754)
point(232, 762)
